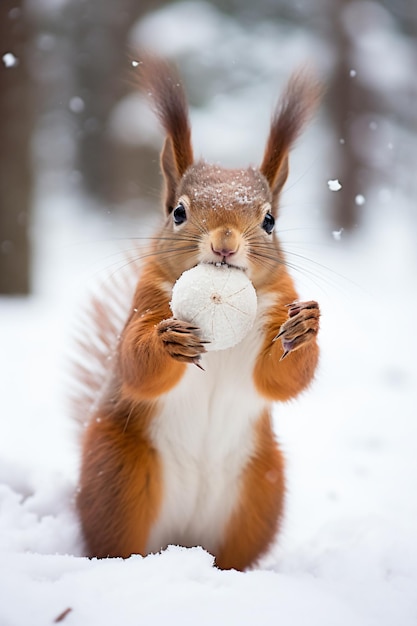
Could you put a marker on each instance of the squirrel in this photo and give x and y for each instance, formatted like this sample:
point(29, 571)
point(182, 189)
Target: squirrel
point(178, 454)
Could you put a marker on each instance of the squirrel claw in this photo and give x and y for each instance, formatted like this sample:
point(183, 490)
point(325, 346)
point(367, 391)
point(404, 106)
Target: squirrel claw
point(198, 364)
point(300, 327)
point(281, 332)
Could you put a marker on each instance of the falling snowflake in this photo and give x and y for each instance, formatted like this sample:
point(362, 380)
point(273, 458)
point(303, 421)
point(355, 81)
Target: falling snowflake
point(337, 234)
point(76, 104)
point(10, 60)
point(334, 185)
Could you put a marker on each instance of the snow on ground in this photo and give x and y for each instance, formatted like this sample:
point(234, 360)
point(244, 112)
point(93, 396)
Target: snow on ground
point(348, 551)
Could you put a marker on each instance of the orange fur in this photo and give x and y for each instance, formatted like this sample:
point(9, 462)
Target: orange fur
point(120, 482)
point(283, 379)
point(256, 521)
point(123, 479)
point(147, 370)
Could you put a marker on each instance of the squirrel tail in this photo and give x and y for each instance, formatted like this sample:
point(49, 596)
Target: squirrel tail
point(95, 341)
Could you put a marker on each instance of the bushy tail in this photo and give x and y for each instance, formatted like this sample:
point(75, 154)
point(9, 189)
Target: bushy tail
point(96, 338)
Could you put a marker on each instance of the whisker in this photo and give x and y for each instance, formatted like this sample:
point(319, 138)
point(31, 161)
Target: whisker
point(181, 238)
point(266, 260)
point(319, 265)
point(262, 250)
point(168, 252)
point(318, 280)
point(203, 230)
point(137, 258)
point(314, 229)
point(250, 231)
point(128, 419)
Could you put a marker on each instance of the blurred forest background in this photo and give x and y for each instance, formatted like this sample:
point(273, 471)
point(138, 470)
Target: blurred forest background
point(73, 124)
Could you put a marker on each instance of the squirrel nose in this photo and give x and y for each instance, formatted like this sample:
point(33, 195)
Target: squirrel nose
point(223, 252)
point(224, 242)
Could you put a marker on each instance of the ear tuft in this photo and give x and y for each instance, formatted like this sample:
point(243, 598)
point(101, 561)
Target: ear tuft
point(293, 111)
point(162, 83)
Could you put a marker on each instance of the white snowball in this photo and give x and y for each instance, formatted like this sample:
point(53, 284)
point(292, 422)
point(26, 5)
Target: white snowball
point(220, 300)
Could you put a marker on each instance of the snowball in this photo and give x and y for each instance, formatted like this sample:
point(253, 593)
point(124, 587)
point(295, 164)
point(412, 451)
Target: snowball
point(334, 185)
point(219, 299)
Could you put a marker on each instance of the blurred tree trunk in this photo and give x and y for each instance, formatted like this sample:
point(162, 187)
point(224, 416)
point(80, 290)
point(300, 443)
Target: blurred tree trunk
point(99, 32)
point(361, 107)
point(348, 99)
point(15, 158)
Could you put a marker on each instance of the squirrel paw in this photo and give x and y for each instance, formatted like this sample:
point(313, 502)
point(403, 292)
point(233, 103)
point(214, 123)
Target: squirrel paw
point(181, 340)
point(301, 326)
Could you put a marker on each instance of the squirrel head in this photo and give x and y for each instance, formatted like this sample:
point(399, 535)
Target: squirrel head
point(219, 215)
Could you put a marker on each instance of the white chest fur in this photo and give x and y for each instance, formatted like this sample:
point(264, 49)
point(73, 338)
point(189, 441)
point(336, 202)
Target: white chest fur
point(204, 434)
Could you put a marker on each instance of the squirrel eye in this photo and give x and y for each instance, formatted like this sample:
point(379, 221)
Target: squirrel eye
point(180, 215)
point(268, 223)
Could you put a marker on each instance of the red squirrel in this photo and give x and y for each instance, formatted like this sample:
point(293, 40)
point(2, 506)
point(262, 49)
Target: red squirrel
point(178, 454)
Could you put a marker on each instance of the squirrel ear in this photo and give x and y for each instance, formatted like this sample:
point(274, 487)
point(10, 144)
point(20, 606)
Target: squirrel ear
point(293, 111)
point(171, 174)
